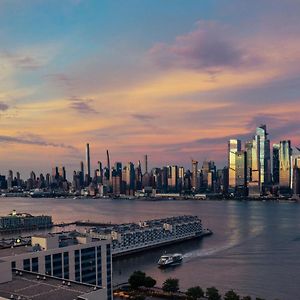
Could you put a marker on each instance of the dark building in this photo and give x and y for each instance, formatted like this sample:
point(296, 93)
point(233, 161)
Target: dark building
point(275, 164)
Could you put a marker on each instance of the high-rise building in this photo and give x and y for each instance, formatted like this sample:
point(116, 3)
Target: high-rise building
point(146, 163)
point(285, 166)
point(180, 178)
point(88, 163)
point(234, 146)
point(241, 172)
point(275, 164)
point(195, 179)
point(262, 140)
point(108, 166)
point(165, 171)
point(249, 149)
point(173, 178)
point(295, 167)
point(10, 179)
point(128, 177)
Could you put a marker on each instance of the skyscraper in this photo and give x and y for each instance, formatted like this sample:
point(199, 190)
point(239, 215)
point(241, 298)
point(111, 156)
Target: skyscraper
point(241, 172)
point(88, 163)
point(146, 163)
point(108, 165)
point(261, 138)
point(10, 179)
point(173, 178)
point(275, 164)
point(248, 148)
point(195, 185)
point(285, 166)
point(233, 147)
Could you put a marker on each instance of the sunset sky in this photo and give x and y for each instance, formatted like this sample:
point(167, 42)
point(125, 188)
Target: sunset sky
point(173, 79)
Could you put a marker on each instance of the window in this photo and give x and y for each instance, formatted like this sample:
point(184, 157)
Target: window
point(57, 265)
point(99, 266)
point(77, 265)
point(35, 264)
point(26, 264)
point(48, 267)
point(66, 265)
point(88, 265)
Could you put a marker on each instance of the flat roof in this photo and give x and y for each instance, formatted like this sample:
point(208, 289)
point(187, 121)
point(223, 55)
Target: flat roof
point(16, 250)
point(28, 287)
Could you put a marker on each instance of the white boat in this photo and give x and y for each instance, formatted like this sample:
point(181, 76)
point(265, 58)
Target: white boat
point(170, 259)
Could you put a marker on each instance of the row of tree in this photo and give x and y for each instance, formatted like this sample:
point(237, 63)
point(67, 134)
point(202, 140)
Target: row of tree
point(171, 285)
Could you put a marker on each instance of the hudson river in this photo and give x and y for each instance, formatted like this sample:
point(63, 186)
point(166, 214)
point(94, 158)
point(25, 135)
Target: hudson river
point(255, 248)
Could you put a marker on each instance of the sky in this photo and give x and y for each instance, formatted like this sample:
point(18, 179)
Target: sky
point(173, 79)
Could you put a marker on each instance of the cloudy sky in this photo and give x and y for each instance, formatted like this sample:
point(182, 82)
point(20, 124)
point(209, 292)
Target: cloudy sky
point(175, 79)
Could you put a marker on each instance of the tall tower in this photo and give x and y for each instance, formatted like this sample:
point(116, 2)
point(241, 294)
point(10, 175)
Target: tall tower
point(261, 138)
point(275, 164)
point(234, 146)
point(108, 164)
point(88, 162)
point(146, 163)
point(194, 175)
point(285, 166)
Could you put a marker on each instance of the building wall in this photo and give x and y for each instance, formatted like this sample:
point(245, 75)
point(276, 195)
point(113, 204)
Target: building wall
point(285, 165)
point(88, 263)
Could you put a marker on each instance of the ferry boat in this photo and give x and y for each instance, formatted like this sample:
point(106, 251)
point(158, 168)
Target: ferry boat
point(170, 260)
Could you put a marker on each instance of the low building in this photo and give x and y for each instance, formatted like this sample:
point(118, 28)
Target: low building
point(25, 285)
point(71, 256)
point(24, 221)
point(132, 237)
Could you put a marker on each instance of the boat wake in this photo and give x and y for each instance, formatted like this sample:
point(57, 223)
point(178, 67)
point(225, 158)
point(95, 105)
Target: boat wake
point(218, 249)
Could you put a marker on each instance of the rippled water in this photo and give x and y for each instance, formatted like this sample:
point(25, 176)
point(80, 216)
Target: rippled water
point(255, 248)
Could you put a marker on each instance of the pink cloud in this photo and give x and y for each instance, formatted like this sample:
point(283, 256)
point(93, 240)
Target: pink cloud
point(210, 46)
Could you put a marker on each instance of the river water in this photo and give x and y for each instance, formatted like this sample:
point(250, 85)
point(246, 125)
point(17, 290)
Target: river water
point(255, 248)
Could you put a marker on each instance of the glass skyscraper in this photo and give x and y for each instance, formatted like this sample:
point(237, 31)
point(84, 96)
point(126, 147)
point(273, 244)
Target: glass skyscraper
point(285, 166)
point(263, 144)
point(234, 146)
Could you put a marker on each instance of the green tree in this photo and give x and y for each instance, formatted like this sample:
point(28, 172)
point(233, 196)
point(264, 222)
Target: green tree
point(195, 292)
point(171, 285)
point(137, 279)
point(231, 295)
point(212, 294)
point(149, 282)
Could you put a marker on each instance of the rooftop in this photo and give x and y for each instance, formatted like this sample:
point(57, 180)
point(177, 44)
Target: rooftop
point(27, 287)
point(12, 247)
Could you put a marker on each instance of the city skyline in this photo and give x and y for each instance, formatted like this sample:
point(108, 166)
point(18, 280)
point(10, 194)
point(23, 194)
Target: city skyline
point(255, 169)
point(89, 163)
point(176, 86)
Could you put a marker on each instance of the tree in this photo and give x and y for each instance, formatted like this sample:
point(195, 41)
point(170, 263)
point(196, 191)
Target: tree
point(171, 285)
point(137, 279)
point(212, 294)
point(231, 295)
point(195, 292)
point(149, 282)
point(246, 298)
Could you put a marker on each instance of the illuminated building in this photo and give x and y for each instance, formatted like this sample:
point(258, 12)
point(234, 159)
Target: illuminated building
point(275, 164)
point(241, 172)
point(195, 178)
point(233, 147)
point(285, 166)
point(88, 163)
point(264, 165)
